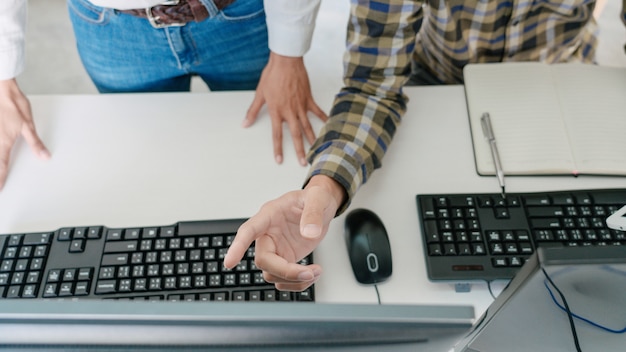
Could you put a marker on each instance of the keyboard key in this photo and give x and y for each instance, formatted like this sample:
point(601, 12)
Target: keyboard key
point(69, 274)
point(434, 250)
point(106, 286)
point(80, 233)
point(15, 240)
point(77, 246)
point(132, 234)
point(81, 289)
point(94, 232)
point(30, 291)
point(66, 289)
point(120, 246)
point(114, 259)
point(14, 291)
point(85, 274)
point(304, 296)
point(114, 235)
point(4, 279)
point(50, 290)
point(36, 238)
point(65, 234)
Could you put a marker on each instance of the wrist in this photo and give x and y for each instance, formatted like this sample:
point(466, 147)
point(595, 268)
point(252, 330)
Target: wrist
point(332, 187)
point(9, 89)
point(285, 60)
point(8, 84)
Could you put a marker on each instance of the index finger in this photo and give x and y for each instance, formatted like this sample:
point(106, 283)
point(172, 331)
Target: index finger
point(277, 269)
point(5, 152)
point(36, 144)
point(247, 233)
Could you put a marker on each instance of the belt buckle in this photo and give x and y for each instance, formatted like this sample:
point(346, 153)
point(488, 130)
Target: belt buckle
point(154, 21)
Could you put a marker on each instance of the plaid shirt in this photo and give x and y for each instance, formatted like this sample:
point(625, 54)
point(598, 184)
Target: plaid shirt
point(443, 36)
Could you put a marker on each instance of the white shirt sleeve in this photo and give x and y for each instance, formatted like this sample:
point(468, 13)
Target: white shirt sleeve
point(290, 25)
point(12, 32)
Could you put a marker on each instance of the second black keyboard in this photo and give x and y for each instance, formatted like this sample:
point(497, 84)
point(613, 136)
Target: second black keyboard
point(179, 262)
point(487, 237)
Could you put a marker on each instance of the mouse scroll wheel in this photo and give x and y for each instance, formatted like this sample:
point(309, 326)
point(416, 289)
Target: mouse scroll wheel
point(372, 262)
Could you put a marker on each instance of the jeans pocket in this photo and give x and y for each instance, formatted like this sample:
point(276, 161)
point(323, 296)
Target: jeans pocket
point(242, 10)
point(88, 12)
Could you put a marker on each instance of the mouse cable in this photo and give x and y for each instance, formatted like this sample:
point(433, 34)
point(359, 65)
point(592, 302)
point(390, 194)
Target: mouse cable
point(377, 293)
point(489, 282)
point(567, 310)
point(588, 321)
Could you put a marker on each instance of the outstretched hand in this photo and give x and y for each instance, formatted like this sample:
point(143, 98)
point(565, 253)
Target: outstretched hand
point(286, 230)
point(16, 119)
point(285, 88)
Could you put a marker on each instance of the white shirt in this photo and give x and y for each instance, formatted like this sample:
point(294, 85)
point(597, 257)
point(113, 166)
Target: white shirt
point(290, 25)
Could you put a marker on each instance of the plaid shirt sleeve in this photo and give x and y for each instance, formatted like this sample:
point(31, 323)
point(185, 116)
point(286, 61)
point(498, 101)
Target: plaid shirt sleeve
point(368, 110)
point(382, 39)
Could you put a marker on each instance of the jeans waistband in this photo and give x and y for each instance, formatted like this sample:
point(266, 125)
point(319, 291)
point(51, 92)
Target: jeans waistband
point(176, 12)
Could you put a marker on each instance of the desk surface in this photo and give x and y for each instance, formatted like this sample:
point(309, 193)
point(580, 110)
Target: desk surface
point(155, 159)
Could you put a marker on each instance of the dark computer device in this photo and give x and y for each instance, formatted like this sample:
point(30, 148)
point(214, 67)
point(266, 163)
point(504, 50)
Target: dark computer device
point(179, 262)
point(368, 246)
point(150, 326)
point(484, 236)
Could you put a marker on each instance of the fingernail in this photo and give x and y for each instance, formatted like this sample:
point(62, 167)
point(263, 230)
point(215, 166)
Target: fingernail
point(279, 159)
point(317, 272)
point(311, 231)
point(245, 123)
point(303, 162)
point(305, 276)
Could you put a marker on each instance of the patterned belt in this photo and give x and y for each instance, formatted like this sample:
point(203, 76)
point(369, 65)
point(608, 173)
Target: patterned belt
point(176, 12)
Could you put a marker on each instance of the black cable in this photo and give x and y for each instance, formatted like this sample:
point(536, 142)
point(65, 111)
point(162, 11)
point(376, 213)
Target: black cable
point(377, 293)
point(569, 312)
point(588, 321)
point(490, 289)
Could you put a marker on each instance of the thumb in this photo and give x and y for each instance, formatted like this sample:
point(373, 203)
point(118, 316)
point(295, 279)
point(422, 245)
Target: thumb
point(312, 220)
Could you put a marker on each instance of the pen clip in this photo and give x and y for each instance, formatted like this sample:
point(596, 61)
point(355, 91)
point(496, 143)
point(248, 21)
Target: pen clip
point(485, 121)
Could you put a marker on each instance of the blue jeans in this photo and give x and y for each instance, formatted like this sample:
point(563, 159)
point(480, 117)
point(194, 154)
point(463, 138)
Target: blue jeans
point(124, 53)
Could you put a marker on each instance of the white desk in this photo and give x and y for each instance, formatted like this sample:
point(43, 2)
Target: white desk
point(155, 159)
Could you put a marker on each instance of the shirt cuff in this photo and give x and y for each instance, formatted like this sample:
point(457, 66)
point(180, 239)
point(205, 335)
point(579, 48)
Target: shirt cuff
point(12, 32)
point(11, 63)
point(290, 25)
point(341, 167)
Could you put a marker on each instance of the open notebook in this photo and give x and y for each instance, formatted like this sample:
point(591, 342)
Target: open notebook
point(549, 119)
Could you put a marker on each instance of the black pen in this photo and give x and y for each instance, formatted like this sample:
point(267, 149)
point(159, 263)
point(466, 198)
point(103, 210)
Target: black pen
point(485, 121)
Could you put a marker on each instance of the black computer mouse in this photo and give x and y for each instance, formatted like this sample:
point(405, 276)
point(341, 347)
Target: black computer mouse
point(368, 246)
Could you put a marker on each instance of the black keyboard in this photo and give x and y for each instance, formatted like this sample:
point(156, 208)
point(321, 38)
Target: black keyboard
point(486, 237)
point(181, 262)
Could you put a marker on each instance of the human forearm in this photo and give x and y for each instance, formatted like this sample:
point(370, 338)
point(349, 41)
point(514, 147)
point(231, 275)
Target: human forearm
point(368, 110)
point(351, 145)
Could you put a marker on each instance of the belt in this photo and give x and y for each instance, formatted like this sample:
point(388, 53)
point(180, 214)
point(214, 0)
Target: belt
point(176, 12)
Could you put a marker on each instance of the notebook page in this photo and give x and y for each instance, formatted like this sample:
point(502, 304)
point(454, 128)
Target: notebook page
point(526, 118)
point(593, 101)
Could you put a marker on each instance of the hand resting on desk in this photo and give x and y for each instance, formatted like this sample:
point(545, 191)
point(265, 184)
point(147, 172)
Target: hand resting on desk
point(284, 87)
point(16, 119)
point(286, 230)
